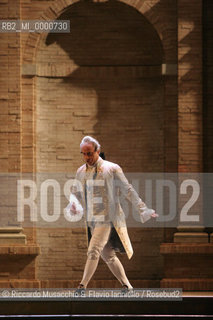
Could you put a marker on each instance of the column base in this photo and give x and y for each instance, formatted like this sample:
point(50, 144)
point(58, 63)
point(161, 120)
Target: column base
point(191, 237)
point(12, 235)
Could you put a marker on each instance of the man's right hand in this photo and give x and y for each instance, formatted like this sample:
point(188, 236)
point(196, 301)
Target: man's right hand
point(73, 209)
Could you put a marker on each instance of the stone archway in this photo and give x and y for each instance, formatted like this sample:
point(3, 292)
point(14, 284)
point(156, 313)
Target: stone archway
point(111, 81)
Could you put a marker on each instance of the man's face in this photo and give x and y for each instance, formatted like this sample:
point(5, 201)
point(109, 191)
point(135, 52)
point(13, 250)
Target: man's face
point(89, 153)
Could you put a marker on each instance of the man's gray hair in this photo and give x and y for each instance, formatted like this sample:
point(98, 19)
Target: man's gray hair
point(88, 139)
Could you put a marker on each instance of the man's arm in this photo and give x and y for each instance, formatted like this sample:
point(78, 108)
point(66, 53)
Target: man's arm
point(129, 192)
point(75, 206)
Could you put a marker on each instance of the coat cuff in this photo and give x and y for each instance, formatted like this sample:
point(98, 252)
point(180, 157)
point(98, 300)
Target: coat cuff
point(145, 214)
point(79, 210)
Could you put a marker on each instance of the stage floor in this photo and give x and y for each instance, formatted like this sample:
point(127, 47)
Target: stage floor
point(192, 304)
point(198, 294)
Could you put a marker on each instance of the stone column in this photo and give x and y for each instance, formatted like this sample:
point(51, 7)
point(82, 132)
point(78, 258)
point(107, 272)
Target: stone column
point(10, 129)
point(17, 267)
point(190, 106)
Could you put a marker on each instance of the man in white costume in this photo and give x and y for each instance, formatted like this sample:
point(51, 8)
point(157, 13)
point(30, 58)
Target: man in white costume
point(101, 182)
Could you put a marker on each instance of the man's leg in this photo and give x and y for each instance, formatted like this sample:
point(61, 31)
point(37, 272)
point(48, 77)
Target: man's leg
point(109, 256)
point(100, 236)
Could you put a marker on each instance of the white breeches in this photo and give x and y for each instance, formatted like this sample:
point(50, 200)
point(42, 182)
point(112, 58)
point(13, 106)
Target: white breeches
point(99, 246)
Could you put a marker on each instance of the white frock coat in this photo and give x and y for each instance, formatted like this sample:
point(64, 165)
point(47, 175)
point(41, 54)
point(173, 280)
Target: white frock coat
point(98, 188)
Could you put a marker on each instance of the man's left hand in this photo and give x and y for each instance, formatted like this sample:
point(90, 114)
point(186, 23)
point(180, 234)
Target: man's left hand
point(154, 215)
